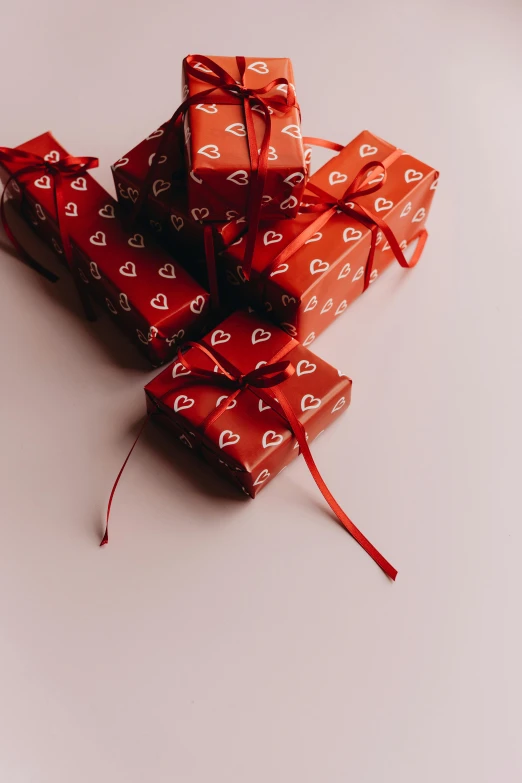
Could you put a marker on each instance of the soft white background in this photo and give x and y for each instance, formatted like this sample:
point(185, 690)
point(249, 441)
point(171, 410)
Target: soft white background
point(217, 639)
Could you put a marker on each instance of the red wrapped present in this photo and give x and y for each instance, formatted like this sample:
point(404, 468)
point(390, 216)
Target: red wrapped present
point(248, 397)
point(362, 209)
point(148, 293)
point(180, 229)
point(243, 142)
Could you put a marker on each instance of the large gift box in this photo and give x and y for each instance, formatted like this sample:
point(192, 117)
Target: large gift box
point(361, 210)
point(249, 398)
point(144, 289)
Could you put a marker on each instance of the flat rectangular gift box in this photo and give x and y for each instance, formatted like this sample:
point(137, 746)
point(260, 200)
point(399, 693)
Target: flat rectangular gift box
point(315, 285)
point(250, 442)
point(216, 139)
point(151, 297)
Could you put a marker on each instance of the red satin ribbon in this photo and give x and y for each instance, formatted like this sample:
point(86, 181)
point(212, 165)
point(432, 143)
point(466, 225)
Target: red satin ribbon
point(66, 167)
point(328, 206)
point(262, 382)
point(235, 93)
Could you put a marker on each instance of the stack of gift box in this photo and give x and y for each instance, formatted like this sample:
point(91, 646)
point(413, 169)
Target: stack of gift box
point(224, 256)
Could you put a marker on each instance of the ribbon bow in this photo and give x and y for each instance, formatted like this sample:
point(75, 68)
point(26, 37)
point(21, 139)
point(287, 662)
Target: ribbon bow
point(266, 382)
point(328, 206)
point(233, 91)
point(56, 170)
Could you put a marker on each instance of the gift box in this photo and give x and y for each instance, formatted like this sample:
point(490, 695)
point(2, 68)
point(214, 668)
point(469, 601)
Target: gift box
point(249, 442)
point(307, 271)
point(147, 293)
point(166, 209)
point(227, 104)
point(249, 399)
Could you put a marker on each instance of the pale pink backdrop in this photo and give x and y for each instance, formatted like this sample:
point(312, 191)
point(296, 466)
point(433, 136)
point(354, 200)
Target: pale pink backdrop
point(217, 639)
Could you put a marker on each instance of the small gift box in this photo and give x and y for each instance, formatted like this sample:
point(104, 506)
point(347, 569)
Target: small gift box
point(149, 295)
point(237, 107)
point(249, 399)
point(362, 209)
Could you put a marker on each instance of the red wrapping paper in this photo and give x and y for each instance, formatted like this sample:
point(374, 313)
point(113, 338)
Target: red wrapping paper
point(217, 154)
point(319, 281)
point(147, 293)
point(249, 443)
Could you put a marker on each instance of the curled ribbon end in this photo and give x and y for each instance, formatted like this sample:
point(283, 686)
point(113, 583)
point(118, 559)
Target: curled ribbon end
point(105, 539)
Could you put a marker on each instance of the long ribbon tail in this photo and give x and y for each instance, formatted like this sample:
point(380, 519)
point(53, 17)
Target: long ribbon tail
point(210, 257)
point(105, 539)
point(422, 236)
point(344, 520)
point(24, 254)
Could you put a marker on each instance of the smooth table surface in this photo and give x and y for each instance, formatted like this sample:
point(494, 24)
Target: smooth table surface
point(220, 639)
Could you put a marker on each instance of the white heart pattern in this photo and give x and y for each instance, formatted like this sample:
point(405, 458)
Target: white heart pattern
point(341, 307)
point(110, 306)
point(260, 336)
point(43, 182)
point(294, 179)
point(382, 204)
point(107, 211)
point(196, 178)
point(80, 183)
point(95, 272)
point(200, 214)
point(39, 211)
point(336, 177)
point(262, 477)
point(136, 241)
point(119, 163)
point(259, 67)
point(317, 266)
point(237, 128)
point(271, 438)
point(271, 237)
point(167, 270)
point(309, 402)
point(261, 405)
point(406, 209)
point(181, 371)
point(292, 130)
point(57, 246)
point(228, 438)
point(197, 304)
point(182, 402)
point(128, 269)
point(358, 274)
point(419, 215)
point(210, 150)
point(160, 302)
point(53, 156)
point(315, 238)
point(311, 304)
point(290, 328)
point(327, 306)
point(162, 159)
point(239, 177)
point(155, 134)
point(309, 339)
point(219, 336)
point(209, 108)
point(177, 222)
point(279, 270)
point(124, 302)
point(305, 367)
point(345, 271)
point(287, 299)
point(159, 186)
point(133, 194)
point(365, 150)
point(71, 210)
point(352, 234)
point(412, 176)
point(98, 239)
point(339, 404)
point(289, 203)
